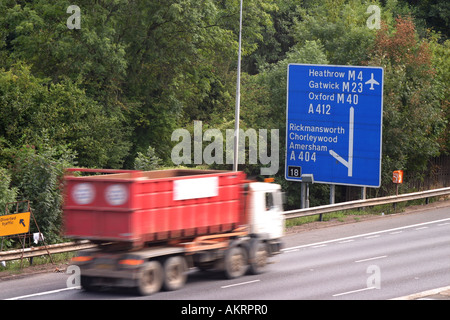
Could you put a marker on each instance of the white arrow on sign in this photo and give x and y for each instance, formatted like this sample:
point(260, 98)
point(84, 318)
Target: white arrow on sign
point(349, 163)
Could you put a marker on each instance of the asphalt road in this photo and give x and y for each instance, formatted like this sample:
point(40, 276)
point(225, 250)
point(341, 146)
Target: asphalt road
point(383, 258)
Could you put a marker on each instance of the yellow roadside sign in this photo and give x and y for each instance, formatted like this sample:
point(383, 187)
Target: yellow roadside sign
point(12, 224)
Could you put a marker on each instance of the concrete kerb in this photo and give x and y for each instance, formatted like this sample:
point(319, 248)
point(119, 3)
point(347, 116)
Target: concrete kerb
point(434, 294)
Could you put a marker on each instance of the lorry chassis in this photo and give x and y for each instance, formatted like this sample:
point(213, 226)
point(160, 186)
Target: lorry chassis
point(151, 269)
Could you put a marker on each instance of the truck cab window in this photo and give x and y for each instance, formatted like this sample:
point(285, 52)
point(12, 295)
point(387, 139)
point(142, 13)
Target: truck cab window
point(269, 201)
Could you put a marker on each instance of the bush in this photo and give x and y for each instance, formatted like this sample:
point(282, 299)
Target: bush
point(147, 162)
point(38, 177)
point(7, 194)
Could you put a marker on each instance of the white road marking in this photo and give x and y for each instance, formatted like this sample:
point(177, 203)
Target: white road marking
point(354, 291)
point(370, 237)
point(240, 284)
point(370, 259)
point(291, 249)
point(364, 235)
point(43, 293)
point(421, 228)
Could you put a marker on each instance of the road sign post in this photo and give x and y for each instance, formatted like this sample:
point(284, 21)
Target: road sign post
point(397, 178)
point(334, 124)
point(306, 180)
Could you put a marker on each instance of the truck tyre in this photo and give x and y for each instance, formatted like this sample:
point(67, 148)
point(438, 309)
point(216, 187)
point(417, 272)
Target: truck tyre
point(258, 257)
point(235, 262)
point(151, 278)
point(175, 273)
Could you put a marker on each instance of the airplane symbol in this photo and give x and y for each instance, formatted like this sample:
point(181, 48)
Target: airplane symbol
point(372, 81)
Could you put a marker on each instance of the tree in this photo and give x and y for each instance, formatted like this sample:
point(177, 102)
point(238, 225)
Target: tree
point(34, 108)
point(441, 64)
point(36, 32)
point(37, 175)
point(341, 28)
point(413, 120)
point(181, 62)
point(7, 193)
point(435, 14)
point(148, 161)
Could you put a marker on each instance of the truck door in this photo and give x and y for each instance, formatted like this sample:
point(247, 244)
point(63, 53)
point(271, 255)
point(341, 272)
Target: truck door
point(267, 220)
point(274, 219)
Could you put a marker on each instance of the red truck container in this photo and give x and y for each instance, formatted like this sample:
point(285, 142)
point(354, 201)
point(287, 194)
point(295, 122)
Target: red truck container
point(140, 206)
point(160, 223)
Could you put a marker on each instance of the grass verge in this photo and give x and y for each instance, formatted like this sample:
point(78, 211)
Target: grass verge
point(14, 266)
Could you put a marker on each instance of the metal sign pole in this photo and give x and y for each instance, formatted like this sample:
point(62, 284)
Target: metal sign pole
point(332, 193)
point(238, 97)
point(42, 238)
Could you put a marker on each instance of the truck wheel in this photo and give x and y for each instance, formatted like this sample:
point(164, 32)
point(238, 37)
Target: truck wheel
point(235, 262)
point(175, 271)
point(258, 257)
point(151, 278)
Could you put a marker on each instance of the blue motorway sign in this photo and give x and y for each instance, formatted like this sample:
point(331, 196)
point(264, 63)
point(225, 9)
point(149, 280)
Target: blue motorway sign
point(334, 124)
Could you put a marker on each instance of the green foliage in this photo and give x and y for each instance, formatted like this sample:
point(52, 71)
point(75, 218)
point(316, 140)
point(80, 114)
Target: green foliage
point(137, 70)
point(38, 35)
point(37, 174)
point(7, 194)
point(432, 14)
point(32, 107)
point(441, 64)
point(264, 95)
point(148, 161)
point(413, 119)
point(341, 28)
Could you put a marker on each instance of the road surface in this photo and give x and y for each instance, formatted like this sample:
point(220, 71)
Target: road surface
point(383, 258)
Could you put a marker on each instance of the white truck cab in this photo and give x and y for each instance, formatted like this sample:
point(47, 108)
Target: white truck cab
point(266, 210)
